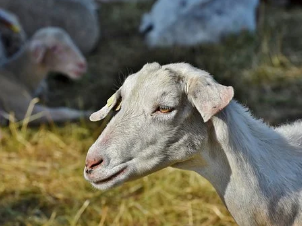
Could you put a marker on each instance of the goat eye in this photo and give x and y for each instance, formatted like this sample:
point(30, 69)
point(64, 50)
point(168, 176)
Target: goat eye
point(165, 109)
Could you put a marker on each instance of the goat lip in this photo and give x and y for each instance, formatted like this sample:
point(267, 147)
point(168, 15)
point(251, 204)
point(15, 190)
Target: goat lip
point(78, 73)
point(111, 177)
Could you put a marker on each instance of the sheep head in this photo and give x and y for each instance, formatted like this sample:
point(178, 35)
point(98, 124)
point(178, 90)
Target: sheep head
point(53, 49)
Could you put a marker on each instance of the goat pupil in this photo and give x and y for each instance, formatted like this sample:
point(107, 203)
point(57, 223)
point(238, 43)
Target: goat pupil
point(165, 109)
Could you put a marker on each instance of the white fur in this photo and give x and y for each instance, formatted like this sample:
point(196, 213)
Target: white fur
point(189, 22)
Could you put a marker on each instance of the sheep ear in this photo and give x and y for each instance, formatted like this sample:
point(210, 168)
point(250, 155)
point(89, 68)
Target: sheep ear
point(208, 96)
point(38, 50)
point(112, 102)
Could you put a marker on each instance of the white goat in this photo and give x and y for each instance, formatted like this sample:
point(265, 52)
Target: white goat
point(78, 17)
point(49, 50)
point(177, 115)
point(189, 22)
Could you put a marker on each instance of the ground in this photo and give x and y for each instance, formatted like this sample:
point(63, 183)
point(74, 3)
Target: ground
point(41, 168)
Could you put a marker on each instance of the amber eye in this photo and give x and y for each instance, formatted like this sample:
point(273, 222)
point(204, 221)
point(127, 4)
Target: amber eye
point(165, 109)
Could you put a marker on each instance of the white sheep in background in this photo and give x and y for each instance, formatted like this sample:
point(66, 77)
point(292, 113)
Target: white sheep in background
point(50, 49)
point(177, 115)
point(78, 17)
point(191, 22)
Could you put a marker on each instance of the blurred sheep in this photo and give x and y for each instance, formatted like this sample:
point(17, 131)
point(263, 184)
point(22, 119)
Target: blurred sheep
point(78, 17)
point(189, 22)
point(107, 1)
point(50, 49)
point(12, 35)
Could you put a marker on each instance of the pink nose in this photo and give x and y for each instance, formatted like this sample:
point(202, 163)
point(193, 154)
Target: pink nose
point(93, 163)
point(82, 66)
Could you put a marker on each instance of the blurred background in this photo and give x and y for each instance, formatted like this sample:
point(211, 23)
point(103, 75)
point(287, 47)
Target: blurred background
point(254, 46)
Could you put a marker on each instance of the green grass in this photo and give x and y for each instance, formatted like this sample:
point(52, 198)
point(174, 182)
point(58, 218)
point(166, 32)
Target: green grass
point(41, 169)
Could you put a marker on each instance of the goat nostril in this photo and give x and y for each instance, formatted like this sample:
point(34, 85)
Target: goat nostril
point(88, 171)
point(91, 165)
point(95, 165)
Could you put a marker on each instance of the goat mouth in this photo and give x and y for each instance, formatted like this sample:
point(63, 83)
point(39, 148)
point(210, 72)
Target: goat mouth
point(77, 73)
point(110, 178)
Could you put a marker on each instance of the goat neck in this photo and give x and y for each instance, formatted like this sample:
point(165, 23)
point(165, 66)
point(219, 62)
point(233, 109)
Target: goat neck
point(253, 168)
point(26, 70)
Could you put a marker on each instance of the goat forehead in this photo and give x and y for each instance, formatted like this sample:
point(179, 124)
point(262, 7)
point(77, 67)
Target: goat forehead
point(151, 82)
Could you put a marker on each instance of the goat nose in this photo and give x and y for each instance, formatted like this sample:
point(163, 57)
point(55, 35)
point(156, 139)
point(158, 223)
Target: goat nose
point(92, 164)
point(82, 65)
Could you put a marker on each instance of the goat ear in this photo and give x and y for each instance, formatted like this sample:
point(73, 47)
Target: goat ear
point(38, 50)
point(112, 102)
point(208, 96)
